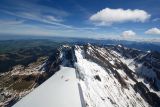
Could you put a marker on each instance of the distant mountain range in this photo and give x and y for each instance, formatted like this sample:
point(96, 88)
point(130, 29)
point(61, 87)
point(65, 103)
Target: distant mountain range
point(138, 44)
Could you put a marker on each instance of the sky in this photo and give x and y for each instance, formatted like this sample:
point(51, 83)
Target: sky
point(117, 19)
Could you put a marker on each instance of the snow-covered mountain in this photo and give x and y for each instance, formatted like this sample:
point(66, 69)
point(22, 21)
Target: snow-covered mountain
point(106, 76)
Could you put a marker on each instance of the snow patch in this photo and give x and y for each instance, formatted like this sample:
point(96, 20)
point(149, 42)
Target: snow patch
point(61, 90)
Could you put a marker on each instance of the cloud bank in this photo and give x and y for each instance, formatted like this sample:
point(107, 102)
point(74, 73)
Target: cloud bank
point(128, 34)
point(109, 16)
point(153, 31)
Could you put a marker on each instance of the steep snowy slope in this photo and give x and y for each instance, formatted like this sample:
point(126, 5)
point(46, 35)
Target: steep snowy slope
point(146, 66)
point(100, 86)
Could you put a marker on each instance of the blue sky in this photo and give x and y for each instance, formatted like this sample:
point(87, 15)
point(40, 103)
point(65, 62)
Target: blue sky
point(123, 19)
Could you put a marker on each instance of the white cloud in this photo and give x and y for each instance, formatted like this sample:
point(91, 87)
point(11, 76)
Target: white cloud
point(28, 10)
point(9, 22)
point(109, 16)
point(153, 31)
point(40, 17)
point(128, 34)
point(156, 19)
